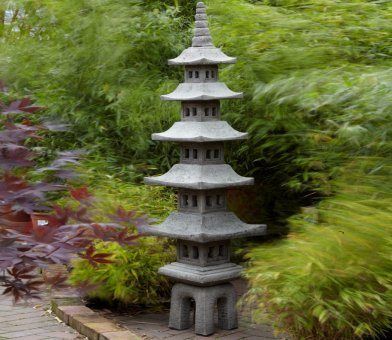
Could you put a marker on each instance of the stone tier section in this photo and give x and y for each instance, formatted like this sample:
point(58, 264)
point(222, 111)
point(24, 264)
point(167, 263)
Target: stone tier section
point(202, 91)
point(202, 56)
point(200, 111)
point(201, 36)
point(203, 254)
point(213, 131)
point(203, 51)
point(201, 276)
point(200, 177)
point(205, 227)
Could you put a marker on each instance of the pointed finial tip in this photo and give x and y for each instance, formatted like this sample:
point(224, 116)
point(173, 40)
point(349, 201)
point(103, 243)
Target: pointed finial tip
point(201, 37)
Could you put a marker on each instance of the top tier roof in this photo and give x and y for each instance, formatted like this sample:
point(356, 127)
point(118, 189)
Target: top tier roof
point(203, 51)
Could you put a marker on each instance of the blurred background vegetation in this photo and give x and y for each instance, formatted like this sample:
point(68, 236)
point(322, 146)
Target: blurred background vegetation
point(318, 83)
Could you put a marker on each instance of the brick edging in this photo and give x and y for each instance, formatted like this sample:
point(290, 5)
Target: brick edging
point(87, 322)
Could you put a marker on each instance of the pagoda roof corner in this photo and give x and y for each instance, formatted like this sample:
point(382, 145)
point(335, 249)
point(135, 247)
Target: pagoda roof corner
point(202, 91)
point(200, 177)
point(207, 227)
point(210, 55)
point(210, 131)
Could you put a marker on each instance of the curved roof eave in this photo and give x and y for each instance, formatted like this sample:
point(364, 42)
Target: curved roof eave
point(210, 131)
point(202, 91)
point(200, 177)
point(202, 56)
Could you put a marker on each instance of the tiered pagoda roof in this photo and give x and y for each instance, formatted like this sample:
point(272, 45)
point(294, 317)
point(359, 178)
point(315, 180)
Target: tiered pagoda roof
point(203, 51)
point(206, 227)
point(202, 91)
point(213, 131)
point(200, 177)
point(202, 226)
point(202, 56)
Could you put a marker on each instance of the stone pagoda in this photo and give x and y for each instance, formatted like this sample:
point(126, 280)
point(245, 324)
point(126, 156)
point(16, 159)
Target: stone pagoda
point(203, 224)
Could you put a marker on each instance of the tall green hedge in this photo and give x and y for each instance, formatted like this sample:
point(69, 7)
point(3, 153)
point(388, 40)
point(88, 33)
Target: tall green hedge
point(315, 74)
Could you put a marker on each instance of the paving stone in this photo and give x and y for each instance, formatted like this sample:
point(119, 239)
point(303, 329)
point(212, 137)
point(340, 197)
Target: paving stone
point(31, 320)
point(183, 336)
point(157, 329)
point(266, 332)
point(35, 337)
point(60, 335)
point(254, 337)
point(120, 335)
point(65, 313)
point(22, 333)
point(234, 336)
point(76, 310)
point(24, 322)
point(26, 325)
point(92, 325)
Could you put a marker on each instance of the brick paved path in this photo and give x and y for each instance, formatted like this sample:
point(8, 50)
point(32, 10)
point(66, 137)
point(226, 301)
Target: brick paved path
point(154, 326)
point(24, 321)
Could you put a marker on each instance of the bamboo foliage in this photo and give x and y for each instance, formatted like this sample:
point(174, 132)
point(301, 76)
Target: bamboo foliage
point(331, 277)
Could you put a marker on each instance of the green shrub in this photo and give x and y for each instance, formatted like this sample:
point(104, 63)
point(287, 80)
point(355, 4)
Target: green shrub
point(331, 278)
point(111, 192)
point(133, 277)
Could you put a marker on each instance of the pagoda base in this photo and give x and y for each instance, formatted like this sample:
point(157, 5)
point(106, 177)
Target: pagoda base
point(205, 298)
point(201, 276)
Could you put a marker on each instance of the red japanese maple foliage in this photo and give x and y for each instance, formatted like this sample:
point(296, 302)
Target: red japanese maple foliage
point(25, 253)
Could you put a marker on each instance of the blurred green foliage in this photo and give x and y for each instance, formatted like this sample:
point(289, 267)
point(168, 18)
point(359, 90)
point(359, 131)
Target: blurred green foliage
point(316, 75)
point(334, 279)
point(100, 65)
point(317, 81)
point(133, 276)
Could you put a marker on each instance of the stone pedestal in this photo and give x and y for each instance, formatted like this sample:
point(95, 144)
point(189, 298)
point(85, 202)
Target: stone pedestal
point(206, 299)
point(203, 224)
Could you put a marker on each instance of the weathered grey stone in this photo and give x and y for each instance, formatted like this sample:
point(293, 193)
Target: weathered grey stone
point(202, 91)
point(201, 177)
point(205, 227)
point(205, 300)
point(202, 37)
point(202, 153)
point(202, 56)
point(200, 132)
point(202, 201)
point(203, 254)
point(201, 276)
point(201, 73)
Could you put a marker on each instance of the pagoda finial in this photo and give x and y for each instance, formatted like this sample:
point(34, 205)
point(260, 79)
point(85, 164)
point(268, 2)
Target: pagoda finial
point(201, 37)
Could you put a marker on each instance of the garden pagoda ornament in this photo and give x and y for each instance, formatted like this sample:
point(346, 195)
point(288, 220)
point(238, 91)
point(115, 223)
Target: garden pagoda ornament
point(203, 225)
